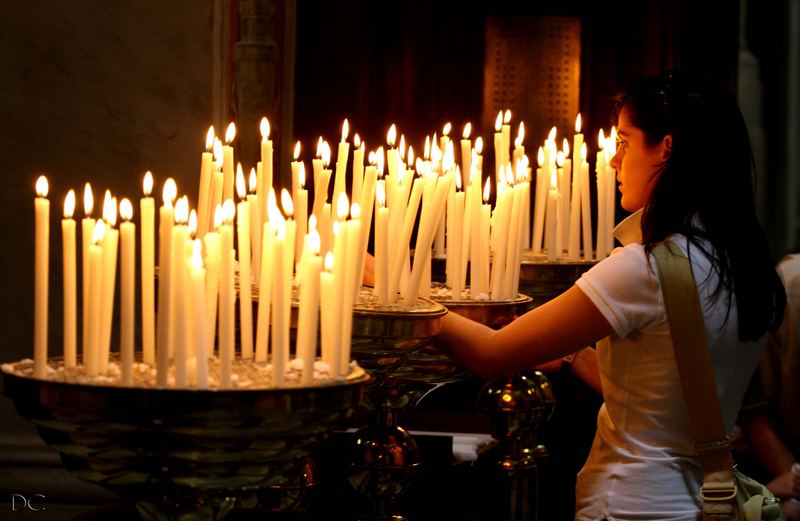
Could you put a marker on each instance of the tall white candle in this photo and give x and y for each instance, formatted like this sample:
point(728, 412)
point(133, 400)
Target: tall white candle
point(228, 172)
point(466, 155)
point(206, 179)
point(198, 298)
point(301, 210)
point(279, 320)
point(586, 209)
point(455, 244)
point(328, 324)
point(381, 248)
point(403, 238)
point(266, 159)
point(308, 315)
point(180, 236)
point(227, 295)
point(41, 274)
point(552, 218)
point(506, 133)
point(147, 216)
point(91, 355)
point(110, 253)
point(265, 290)
point(87, 230)
point(540, 201)
point(164, 319)
point(127, 232)
point(339, 184)
point(70, 280)
point(245, 280)
point(350, 284)
point(212, 246)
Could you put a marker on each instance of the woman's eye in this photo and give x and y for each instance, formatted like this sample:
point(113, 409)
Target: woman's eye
point(622, 145)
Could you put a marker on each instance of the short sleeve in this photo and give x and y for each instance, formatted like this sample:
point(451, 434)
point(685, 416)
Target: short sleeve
point(625, 290)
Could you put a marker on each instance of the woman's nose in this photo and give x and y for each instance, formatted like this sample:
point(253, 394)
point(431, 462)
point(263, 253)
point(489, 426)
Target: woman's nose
point(616, 161)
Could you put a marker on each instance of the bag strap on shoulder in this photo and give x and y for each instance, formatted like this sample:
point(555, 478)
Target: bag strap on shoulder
point(693, 356)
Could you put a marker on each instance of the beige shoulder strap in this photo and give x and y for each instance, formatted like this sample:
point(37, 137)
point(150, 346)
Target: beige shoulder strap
point(693, 356)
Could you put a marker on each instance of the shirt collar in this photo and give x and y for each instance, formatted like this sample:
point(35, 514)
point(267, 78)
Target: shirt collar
point(629, 231)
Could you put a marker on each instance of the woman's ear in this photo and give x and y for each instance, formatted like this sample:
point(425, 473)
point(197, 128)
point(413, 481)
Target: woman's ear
point(666, 144)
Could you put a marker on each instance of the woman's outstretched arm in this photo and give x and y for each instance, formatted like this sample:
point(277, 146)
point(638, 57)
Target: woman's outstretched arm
point(555, 329)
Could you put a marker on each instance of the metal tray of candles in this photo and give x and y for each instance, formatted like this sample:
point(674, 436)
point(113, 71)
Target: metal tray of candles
point(183, 450)
point(545, 280)
point(492, 313)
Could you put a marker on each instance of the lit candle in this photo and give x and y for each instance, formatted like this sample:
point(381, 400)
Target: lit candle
point(498, 145)
point(228, 172)
point(351, 285)
point(164, 320)
point(255, 226)
point(455, 241)
point(266, 159)
point(339, 184)
point(91, 355)
point(586, 209)
point(506, 132)
point(301, 209)
point(359, 149)
point(70, 280)
point(401, 250)
point(308, 315)
point(110, 252)
point(500, 233)
point(212, 246)
point(147, 211)
point(540, 203)
point(321, 188)
point(280, 323)
point(565, 188)
point(574, 239)
point(227, 295)
point(391, 160)
point(339, 274)
point(87, 230)
point(562, 196)
point(265, 290)
point(466, 155)
point(127, 232)
point(316, 165)
point(519, 148)
point(381, 247)
point(41, 274)
point(198, 298)
point(216, 179)
point(602, 198)
point(552, 218)
point(483, 283)
point(328, 301)
point(180, 236)
point(245, 281)
point(206, 179)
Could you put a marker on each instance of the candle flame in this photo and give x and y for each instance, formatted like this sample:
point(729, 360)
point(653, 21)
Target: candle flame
point(312, 222)
point(402, 147)
point(565, 148)
point(371, 158)
point(264, 128)
point(147, 183)
point(554, 180)
point(99, 231)
point(540, 156)
point(479, 145)
point(551, 149)
point(419, 165)
point(329, 261)
point(391, 136)
point(218, 155)
point(88, 200)
point(230, 133)
point(41, 186)
point(241, 186)
point(313, 241)
point(410, 155)
point(252, 182)
point(380, 193)
point(467, 130)
point(69, 204)
point(613, 136)
point(326, 154)
point(355, 211)
point(193, 222)
point(584, 152)
point(296, 150)
point(109, 213)
point(458, 178)
point(182, 210)
point(427, 151)
point(507, 117)
point(520, 132)
point(228, 211)
point(345, 130)
point(169, 192)
point(578, 124)
point(342, 205)
point(601, 139)
point(498, 123)
point(487, 191)
point(379, 160)
point(357, 140)
point(286, 202)
point(560, 159)
point(126, 210)
point(552, 135)
point(197, 256)
point(218, 216)
point(446, 129)
point(210, 138)
point(319, 147)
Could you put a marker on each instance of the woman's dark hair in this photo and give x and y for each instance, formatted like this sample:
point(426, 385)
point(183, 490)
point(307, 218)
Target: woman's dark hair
point(709, 173)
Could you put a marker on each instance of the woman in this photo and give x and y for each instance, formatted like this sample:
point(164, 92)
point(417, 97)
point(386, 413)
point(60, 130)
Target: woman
point(685, 171)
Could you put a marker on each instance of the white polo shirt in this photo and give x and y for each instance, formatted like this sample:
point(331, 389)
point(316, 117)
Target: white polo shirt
point(642, 465)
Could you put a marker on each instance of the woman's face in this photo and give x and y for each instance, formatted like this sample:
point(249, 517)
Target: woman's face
point(637, 163)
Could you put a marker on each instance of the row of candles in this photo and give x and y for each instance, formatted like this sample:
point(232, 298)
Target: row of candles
point(448, 204)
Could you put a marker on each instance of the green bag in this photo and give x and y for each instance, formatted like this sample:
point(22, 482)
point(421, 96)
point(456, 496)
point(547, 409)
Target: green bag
point(754, 501)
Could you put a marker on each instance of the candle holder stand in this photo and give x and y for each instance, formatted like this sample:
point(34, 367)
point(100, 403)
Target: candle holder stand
point(185, 453)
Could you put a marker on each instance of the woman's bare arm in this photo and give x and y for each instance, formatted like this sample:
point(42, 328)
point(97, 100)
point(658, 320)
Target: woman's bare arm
point(555, 329)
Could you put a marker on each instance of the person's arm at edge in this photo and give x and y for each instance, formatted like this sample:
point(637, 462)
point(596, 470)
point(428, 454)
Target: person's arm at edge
point(554, 329)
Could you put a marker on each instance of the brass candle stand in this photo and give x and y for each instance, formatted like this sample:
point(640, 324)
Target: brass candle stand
point(185, 453)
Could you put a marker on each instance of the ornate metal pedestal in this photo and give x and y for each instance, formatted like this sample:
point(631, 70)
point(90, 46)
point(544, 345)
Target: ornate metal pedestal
point(185, 454)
